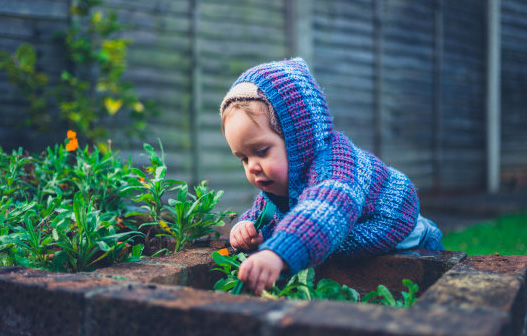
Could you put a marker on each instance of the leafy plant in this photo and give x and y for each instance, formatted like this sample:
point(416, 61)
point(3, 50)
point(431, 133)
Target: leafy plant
point(229, 266)
point(69, 208)
point(303, 287)
point(60, 211)
point(187, 217)
point(89, 239)
point(92, 94)
point(383, 296)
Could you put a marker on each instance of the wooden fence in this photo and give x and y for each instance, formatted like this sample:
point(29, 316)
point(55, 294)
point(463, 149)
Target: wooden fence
point(405, 79)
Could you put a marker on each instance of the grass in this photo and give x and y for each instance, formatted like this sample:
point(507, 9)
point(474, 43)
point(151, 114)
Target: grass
point(506, 235)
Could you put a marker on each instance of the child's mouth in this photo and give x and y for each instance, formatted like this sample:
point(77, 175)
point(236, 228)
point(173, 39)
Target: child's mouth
point(265, 183)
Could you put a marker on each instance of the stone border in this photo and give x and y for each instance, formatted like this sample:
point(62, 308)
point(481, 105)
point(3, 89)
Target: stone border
point(481, 295)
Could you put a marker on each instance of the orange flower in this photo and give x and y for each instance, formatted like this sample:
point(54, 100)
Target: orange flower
point(224, 252)
point(72, 145)
point(142, 181)
point(120, 223)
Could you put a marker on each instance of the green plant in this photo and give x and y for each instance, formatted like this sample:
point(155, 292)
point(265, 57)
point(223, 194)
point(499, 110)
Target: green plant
point(45, 218)
point(383, 295)
point(89, 239)
point(187, 217)
point(70, 209)
point(152, 190)
point(89, 97)
point(303, 287)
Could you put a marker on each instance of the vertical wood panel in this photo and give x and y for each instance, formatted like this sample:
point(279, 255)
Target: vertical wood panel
point(514, 88)
point(344, 65)
point(463, 107)
point(161, 67)
point(408, 87)
point(234, 36)
point(34, 22)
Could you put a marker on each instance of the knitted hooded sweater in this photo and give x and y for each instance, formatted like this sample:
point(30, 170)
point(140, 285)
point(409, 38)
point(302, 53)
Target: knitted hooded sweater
point(342, 199)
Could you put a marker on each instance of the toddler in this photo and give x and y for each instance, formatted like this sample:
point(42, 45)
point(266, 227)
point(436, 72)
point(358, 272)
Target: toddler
point(330, 197)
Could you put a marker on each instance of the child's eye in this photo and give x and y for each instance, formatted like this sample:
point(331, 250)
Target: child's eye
point(262, 152)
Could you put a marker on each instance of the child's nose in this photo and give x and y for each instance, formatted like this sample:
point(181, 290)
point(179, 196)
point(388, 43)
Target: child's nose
point(254, 166)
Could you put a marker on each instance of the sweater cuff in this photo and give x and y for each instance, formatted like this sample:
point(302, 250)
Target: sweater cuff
point(289, 248)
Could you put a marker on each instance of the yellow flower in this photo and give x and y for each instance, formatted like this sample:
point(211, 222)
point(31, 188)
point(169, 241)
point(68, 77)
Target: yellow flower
point(96, 17)
point(112, 105)
point(139, 107)
point(71, 134)
point(164, 226)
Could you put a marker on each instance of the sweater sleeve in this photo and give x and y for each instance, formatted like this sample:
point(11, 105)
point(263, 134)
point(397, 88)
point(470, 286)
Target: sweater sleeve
point(329, 218)
point(375, 236)
point(317, 225)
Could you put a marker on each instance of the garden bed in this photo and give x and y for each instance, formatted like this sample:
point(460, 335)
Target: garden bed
point(479, 295)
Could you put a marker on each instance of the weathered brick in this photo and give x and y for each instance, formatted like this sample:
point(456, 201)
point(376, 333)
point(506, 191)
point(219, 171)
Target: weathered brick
point(492, 283)
point(198, 263)
point(167, 274)
point(190, 267)
point(335, 319)
point(34, 302)
point(484, 295)
point(162, 310)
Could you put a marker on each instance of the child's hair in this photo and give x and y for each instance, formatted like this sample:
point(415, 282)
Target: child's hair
point(247, 106)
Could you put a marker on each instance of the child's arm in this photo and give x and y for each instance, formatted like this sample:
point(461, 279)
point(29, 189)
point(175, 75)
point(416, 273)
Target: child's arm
point(327, 212)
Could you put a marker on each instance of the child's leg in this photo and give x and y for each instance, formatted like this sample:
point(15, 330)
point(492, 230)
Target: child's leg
point(425, 235)
point(431, 240)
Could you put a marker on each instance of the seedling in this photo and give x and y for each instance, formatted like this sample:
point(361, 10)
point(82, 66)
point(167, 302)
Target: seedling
point(303, 287)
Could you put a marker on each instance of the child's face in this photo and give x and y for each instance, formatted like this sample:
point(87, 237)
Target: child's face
point(261, 150)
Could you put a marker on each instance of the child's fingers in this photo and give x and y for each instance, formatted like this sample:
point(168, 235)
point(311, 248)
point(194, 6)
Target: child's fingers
point(258, 240)
point(251, 229)
point(241, 242)
point(248, 231)
point(261, 283)
point(244, 270)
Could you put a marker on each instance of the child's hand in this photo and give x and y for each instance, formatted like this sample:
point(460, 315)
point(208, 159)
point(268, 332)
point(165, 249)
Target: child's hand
point(245, 237)
point(261, 270)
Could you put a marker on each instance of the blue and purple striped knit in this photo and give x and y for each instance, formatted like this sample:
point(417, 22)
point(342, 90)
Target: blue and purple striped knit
point(342, 199)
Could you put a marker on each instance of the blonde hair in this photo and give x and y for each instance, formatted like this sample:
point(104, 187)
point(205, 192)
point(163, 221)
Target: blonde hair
point(251, 109)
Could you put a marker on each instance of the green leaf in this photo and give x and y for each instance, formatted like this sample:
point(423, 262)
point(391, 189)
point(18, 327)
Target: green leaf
point(224, 260)
point(103, 246)
point(387, 295)
point(26, 55)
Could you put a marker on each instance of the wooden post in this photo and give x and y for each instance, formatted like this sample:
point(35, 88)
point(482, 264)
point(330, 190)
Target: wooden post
point(299, 21)
point(379, 114)
point(195, 110)
point(438, 93)
point(493, 95)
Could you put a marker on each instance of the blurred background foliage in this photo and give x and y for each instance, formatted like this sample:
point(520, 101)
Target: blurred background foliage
point(405, 79)
point(91, 94)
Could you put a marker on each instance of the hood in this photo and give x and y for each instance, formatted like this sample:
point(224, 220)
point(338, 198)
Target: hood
point(302, 110)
